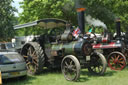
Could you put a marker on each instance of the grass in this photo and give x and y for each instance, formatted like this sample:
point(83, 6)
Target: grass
point(56, 78)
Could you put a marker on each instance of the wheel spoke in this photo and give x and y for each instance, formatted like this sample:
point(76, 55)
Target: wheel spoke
point(100, 68)
point(117, 57)
point(112, 63)
point(33, 54)
point(30, 50)
point(94, 68)
point(112, 58)
point(28, 63)
point(25, 56)
point(71, 62)
point(121, 59)
point(35, 62)
point(28, 53)
point(35, 58)
point(28, 66)
point(66, 67)
point(122, 62)
point(74, 70)
point(66, 63)
point(121, 65)
point(73, 66)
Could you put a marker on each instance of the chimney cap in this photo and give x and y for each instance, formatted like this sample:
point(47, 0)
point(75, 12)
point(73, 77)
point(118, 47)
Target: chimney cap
point(80, 9)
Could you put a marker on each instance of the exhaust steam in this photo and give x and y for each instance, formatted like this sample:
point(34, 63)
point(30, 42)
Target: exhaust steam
point(95, 22)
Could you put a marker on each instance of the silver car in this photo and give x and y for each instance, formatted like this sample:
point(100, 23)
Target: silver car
point(12, 64)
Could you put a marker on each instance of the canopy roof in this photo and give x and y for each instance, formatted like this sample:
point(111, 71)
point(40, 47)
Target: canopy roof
point(45, 23)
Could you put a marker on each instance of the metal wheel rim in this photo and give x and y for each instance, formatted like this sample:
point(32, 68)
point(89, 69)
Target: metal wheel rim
point(116, 61)
point(69, 69)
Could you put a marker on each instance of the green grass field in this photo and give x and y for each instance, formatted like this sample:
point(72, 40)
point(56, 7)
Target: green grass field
point(56, 78)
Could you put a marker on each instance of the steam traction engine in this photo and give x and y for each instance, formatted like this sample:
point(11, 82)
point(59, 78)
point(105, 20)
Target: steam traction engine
point(59, 49)
point(114, 48)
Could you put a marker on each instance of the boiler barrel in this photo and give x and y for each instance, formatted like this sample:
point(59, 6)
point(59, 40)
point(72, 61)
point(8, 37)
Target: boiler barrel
point(70, 48)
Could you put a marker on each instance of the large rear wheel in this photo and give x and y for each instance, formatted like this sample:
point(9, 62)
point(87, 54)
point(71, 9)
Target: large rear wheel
point(98, 64)
point(34, 57)
point(70, 68)
point(116, 61)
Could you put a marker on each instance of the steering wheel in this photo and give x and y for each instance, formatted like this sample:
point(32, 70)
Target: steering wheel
point(56, 31)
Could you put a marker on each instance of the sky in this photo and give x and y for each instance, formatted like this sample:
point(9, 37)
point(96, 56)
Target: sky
point(17, 6)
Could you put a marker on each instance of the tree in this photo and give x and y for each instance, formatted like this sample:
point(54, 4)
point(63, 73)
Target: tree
point(104, 10)
point(6, 19)
point(108, 10)
point(40, 9)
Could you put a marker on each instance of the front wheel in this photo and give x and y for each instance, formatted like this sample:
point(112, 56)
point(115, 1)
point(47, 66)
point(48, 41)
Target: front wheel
point(116, 61)
point(70, 67)
point(98, 64)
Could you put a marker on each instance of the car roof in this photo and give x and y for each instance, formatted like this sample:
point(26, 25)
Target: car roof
point(45, 23)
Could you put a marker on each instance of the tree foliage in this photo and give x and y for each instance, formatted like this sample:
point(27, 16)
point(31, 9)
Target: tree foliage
point(6, 20)
point(39, 9)
point(104, 10)
point(108, 11)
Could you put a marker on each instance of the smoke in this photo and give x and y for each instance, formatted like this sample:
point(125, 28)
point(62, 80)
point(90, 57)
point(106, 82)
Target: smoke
point(95, 22)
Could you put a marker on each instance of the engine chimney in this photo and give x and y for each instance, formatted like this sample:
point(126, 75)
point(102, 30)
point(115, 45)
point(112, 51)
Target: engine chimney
point(81, 21)
point(118, 28)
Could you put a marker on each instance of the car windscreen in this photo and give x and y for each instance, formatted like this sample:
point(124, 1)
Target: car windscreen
point(10, 58)
point(9, 45)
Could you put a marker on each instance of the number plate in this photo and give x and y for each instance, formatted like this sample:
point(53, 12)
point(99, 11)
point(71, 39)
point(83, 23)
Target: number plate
point(87, 58)
point(15, 73)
